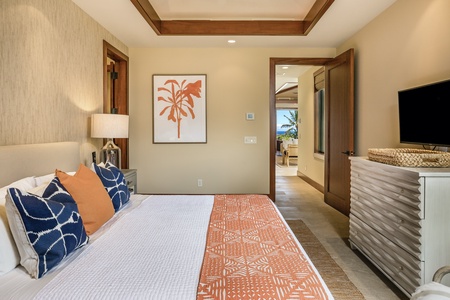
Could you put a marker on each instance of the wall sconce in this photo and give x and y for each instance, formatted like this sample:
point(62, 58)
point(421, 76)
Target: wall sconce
point(110, 126)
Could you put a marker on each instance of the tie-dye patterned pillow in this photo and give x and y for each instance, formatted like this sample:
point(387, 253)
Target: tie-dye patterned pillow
point(115, 184)
point(46, 229)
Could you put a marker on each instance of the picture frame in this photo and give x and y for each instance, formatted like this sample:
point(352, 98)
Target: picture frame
point(179, 109)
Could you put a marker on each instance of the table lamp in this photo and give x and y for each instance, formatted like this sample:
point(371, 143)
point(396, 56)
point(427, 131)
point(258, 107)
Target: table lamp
point(110, 126)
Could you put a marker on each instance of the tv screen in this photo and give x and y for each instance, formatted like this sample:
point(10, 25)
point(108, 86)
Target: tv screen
point(424, 114)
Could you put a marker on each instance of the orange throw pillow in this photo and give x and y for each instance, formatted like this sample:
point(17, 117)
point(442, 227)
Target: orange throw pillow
point(93, 201)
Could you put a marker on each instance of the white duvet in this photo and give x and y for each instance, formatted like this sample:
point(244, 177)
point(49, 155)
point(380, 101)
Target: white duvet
point(149, 250)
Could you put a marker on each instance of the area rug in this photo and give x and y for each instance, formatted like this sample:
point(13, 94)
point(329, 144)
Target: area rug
point(337, 281)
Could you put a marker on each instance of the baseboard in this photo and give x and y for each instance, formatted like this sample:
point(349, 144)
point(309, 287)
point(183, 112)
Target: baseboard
point(311, 182)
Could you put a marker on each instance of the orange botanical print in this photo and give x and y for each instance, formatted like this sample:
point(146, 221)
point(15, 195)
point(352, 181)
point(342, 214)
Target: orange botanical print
point(179, 101)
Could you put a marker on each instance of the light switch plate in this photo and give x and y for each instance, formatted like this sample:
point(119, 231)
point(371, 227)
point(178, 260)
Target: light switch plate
point(250, 140)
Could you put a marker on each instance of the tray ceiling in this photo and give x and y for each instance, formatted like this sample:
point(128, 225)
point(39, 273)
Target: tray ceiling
point(232, 17)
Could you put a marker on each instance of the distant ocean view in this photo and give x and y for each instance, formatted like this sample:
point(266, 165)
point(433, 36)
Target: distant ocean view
point(281, 119)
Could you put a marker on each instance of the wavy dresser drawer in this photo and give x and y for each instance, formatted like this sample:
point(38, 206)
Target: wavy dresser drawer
point(399, 219)
point(395, 262)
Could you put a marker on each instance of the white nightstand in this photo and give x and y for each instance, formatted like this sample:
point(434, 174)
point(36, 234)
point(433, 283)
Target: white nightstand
point(131, 179)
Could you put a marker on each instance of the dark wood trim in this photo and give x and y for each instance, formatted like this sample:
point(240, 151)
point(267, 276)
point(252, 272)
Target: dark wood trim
point(311, 182)
point(116, 55)
point(148, 12)
point(207, 27)
point(228, 27)
point(121, 91)
point(273, 110)
point(315, 13)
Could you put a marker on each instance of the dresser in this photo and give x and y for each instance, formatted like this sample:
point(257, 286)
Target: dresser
point(131, 179)
point(400, 220)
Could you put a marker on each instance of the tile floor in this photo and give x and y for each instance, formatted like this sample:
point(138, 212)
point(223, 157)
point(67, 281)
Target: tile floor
point(298, 200)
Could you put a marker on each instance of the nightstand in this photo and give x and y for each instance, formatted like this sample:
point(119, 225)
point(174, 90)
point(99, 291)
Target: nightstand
point(131, 179)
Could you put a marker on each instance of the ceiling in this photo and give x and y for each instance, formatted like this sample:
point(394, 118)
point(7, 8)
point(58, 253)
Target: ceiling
point(337, 21)
point(340, 21)
point(286, 83)
point(227, 9)
point(197, 17)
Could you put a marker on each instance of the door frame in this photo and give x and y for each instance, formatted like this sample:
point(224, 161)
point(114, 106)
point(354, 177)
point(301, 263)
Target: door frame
point(273, 111)
point(121, 93)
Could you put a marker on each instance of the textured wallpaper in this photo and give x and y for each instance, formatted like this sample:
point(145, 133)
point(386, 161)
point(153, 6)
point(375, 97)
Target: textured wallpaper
point(51, 72)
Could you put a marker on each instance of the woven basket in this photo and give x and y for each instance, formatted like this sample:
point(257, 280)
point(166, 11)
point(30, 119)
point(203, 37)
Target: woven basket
point(405, 157)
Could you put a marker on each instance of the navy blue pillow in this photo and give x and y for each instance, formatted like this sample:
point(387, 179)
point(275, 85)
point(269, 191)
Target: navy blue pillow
point(46, 229)
point(114, 182)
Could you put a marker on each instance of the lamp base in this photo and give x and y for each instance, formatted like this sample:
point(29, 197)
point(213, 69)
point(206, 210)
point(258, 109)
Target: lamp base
point(111, 153)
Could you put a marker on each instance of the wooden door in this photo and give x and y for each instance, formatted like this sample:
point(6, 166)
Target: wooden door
point(339, 141)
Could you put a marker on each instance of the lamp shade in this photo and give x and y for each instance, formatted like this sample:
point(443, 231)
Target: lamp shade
point(109, 126)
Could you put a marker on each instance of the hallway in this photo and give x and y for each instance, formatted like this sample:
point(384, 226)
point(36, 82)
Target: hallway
point(298, 200)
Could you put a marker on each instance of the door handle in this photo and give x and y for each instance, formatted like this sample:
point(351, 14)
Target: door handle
point(348, 153)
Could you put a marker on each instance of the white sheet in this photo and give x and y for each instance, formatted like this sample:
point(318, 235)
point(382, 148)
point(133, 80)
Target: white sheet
point(17, 284)
point(160, 258)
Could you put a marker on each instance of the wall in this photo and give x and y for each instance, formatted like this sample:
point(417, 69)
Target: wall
point(51, 72)
point(237, 82)
point(308, 165)
point(406, 46)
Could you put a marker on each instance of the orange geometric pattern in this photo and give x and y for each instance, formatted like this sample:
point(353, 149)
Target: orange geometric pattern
point(251, 254)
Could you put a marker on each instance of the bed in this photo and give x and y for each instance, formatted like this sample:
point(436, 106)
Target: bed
point(150, 246)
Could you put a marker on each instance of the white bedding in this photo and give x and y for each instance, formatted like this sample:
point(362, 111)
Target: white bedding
point(149, 274)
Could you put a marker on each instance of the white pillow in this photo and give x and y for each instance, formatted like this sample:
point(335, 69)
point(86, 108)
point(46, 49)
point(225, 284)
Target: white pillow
point(40, 180)
point(9, 255)
point(39, 190)
point(46, 179)
point(22, 184)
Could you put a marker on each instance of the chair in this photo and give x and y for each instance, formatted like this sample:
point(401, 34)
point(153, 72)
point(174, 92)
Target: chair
point(434, 290)
point(291, 152)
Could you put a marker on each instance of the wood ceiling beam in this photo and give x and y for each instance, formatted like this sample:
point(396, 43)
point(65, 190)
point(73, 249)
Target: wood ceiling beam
point(315, 13)
point(287, 89)
point(148, 12)
point(207, 27)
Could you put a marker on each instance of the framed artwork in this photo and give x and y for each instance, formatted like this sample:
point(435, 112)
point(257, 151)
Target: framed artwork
point(179, 109)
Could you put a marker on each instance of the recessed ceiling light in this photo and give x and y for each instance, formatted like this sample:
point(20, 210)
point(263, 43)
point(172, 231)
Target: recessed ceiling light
point(231, 41)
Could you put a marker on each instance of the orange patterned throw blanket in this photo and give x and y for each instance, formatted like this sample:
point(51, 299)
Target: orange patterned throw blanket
point(251, 254)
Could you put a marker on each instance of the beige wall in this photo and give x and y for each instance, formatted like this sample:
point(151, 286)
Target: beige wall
point(406, 46)
point(51, 72)
point(308, 165)
point(237, 82)
point(51, 57)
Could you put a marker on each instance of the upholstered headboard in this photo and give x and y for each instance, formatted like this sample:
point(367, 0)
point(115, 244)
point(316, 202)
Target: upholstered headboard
point(19, 161)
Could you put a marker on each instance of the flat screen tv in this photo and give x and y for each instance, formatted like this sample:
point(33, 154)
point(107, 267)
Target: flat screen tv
point(424, 114)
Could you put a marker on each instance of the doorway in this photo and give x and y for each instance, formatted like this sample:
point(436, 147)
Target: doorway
point(286, 101)
point(287, 141)
point(339, 125)
point(115, 90)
